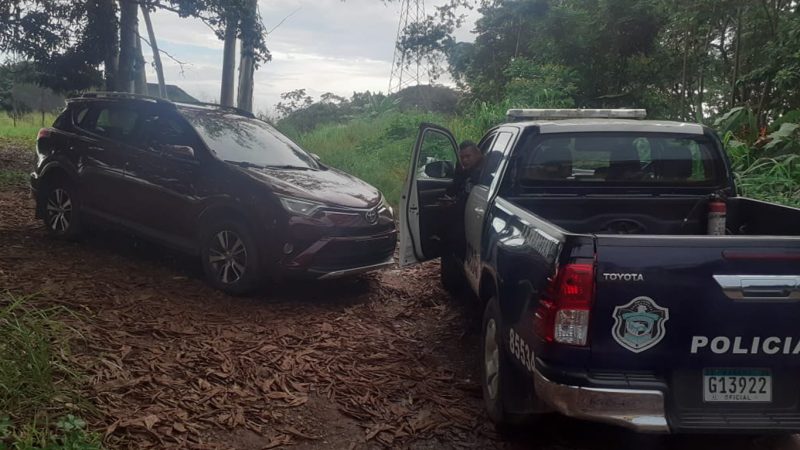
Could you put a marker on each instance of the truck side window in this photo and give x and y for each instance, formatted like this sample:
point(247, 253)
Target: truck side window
point(493, 157)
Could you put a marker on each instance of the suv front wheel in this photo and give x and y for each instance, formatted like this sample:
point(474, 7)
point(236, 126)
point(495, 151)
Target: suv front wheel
point(230, 258)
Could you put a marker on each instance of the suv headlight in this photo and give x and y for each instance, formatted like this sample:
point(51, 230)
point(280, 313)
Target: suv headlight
point(301, 207)
point(385, 208)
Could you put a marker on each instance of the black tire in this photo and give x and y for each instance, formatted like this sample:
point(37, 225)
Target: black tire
point(452, 275)
point(230, 257)
point(497, 387)
point(60, 207)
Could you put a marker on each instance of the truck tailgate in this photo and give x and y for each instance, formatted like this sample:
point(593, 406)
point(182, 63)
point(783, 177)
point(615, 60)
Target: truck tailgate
point(715, 317)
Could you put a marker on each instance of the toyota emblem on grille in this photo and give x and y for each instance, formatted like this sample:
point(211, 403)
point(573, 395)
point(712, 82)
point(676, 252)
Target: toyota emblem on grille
point(371, 216)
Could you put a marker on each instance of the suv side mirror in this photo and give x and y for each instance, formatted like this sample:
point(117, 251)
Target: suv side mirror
point(315, 156)
point(182, 152)
point(439, 169)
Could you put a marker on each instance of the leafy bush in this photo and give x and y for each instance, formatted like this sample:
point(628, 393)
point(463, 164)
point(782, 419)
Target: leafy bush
point(534, 85)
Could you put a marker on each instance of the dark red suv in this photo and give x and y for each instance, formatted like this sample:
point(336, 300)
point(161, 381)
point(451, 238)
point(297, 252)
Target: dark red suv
point(212, 181)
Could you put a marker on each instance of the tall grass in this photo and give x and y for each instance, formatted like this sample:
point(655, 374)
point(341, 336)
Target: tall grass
point(378, 149)
point(38, 387)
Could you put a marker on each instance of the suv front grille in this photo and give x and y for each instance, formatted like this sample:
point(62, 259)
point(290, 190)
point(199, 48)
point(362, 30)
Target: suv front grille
point(344, 254)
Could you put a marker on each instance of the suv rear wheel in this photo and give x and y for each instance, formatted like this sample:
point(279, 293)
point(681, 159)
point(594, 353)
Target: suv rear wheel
point(61, 209)
point(230, 258)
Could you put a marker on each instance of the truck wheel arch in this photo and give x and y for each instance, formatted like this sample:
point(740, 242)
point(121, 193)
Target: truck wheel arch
point(487, 287)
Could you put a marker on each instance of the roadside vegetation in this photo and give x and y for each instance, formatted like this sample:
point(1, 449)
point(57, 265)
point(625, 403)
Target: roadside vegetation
point(377, 148)
point(697, 61)
point(40, 407)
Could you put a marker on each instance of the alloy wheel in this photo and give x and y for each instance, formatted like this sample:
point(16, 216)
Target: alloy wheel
point(491, 359)
point(228, 256)
point(59, 210)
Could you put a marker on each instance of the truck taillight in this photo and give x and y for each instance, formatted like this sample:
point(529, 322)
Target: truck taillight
point(43, 133)
point(563, 312)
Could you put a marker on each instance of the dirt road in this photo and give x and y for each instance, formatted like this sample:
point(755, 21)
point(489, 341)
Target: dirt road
point(384, 360)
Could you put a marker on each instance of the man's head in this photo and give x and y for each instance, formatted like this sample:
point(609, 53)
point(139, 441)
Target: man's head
point(469, 155)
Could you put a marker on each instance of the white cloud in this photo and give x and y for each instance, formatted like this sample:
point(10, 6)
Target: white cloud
point(323, 46)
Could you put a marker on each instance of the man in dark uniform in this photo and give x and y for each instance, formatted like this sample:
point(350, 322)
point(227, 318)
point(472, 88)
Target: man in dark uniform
point(470, 161)
point(467, 175)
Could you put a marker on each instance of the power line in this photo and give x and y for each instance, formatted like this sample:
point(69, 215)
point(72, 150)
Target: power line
point(406, 73)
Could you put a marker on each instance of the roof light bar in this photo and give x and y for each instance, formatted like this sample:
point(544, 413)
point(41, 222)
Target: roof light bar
point(539, 114)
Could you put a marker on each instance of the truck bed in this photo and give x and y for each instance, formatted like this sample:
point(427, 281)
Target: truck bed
point(658, 215)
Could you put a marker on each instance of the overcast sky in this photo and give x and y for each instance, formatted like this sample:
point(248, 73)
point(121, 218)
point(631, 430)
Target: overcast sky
point(324, 46)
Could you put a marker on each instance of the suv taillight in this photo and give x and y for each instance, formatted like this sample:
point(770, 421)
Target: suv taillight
point(43, 133)
point(563, 312)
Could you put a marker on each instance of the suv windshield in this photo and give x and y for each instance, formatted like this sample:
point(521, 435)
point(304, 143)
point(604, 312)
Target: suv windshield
point(246, 141)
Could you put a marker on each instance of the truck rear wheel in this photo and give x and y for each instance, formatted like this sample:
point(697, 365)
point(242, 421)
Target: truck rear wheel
point(496, 375)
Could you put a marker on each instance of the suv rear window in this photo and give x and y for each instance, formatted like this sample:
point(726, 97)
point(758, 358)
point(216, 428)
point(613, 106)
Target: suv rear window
point(617, 159)
point(112, 121)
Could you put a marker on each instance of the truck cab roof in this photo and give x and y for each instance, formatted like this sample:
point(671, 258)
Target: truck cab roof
point(595, 125)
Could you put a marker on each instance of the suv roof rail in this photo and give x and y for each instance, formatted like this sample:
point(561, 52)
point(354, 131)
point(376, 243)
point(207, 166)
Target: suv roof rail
point(113, 94)
point(232, 109)
point(551, 114)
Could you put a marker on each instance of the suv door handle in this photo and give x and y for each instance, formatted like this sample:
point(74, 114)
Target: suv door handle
point(95, 148)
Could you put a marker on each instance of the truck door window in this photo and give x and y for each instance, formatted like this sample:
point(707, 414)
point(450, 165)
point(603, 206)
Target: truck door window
point(492, 158)
point(437, 158)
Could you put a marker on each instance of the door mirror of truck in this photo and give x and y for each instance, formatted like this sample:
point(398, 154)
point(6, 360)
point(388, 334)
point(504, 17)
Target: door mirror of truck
point(439, 169)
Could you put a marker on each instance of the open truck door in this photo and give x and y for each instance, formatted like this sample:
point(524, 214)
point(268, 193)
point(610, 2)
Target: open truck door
point(426, 213)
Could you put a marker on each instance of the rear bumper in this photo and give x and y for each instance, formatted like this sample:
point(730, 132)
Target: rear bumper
point(640, 410)
point(647, 402)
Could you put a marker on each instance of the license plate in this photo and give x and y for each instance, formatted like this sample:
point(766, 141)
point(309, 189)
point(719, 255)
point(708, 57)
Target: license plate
point(737, 385)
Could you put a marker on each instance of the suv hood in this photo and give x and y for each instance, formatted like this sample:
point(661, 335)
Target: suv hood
point(328, 186)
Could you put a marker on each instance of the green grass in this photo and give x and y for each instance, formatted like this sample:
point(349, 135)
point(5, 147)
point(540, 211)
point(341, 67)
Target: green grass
point(26, 127)
point(12, 179)
point(378, 149)
point(38, 386)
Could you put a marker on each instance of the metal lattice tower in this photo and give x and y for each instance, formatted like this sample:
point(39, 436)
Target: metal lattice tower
point(404, 74)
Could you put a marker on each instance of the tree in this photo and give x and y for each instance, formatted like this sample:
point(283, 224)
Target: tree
point(682, 59)
point(293, 101)
point(250, 34)
point(59, 36)
point(162, 87)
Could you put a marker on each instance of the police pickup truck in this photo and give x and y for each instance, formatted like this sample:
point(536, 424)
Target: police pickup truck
point(624, 280)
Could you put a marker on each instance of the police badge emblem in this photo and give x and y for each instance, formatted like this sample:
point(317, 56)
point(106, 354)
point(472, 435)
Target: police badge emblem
point(639, 325)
